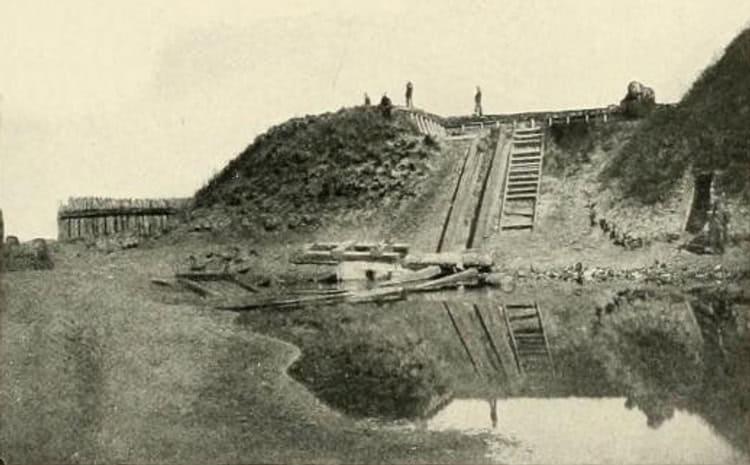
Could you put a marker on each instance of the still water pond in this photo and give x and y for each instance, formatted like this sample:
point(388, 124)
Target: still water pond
point(585, 430)
point(637, 377)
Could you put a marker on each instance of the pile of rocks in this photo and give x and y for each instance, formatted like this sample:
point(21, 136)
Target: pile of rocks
point(658, 273)
point(221, 260)
point(32, 255)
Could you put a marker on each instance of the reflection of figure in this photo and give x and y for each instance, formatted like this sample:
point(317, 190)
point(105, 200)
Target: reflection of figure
point(657, 410)
point(493, 411)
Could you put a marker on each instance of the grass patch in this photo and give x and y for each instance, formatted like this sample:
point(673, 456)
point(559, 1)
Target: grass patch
point(353, 158)
point(707, 131)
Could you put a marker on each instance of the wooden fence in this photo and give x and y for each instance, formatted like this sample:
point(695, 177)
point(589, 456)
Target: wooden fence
point(460, 124)
point(91, 217)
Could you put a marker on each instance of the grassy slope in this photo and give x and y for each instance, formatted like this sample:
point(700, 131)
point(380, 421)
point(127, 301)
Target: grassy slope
point(707, 130)
point(317, 165)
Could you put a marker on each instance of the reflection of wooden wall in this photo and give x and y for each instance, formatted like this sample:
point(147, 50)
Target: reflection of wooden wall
point(96, 217)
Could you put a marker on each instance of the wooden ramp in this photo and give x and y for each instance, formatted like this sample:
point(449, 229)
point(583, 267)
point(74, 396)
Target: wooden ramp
point(479, 339)
point(460, 215)
point(528, 338)
point(523, 179)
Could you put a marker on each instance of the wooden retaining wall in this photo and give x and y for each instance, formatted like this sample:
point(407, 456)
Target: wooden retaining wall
point(92, 217)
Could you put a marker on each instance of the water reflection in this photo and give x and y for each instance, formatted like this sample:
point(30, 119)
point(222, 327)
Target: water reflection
point(675, 364)
point(670, 362)
point(586, 430)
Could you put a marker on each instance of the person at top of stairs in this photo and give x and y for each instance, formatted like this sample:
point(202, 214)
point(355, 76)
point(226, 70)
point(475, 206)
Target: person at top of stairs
point(478, 102)
point(409, 92)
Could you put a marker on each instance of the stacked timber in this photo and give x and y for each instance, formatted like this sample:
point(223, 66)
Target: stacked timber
point(331, 253)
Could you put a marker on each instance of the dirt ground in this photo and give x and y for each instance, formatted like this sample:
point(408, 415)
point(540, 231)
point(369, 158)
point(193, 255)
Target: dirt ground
point(95, 369)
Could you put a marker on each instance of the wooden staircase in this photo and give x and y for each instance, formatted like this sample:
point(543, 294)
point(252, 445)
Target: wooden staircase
point(523, 178)
point(528, 338)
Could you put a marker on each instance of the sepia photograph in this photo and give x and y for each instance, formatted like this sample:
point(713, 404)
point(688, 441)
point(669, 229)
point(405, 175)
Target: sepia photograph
point(394, 232)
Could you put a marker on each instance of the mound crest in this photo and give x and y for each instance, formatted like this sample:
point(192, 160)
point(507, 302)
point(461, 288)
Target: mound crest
point(325, 163)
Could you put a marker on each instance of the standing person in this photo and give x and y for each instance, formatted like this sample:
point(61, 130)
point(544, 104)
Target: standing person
point(409, 92)
point(386, 106)
point(478, 102)
point(367, 100)
point(718, 225)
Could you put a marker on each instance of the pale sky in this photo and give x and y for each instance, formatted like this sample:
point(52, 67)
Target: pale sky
point(130, 98)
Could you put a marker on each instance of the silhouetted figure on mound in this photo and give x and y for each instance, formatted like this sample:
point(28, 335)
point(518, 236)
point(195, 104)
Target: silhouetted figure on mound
point(386, 106)
point(367, 100)
point(478, 102)
point(409, 93)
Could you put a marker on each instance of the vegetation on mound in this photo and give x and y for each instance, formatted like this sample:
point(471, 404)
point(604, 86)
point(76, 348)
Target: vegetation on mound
point(707, 130)
point(323, 163)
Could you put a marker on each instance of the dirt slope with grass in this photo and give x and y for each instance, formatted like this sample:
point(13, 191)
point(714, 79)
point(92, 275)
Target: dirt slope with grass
point(311, 168)
point(707, 131)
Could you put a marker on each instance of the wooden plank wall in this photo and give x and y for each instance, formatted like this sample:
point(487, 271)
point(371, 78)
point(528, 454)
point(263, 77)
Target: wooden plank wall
point(92, 217)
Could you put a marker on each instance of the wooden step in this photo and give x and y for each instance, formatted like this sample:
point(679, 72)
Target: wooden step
point(525, 162)
point(512, 213)
point(514, 183)
point(524, 170)
point(519, 189)
point(529, 352)
point(522, 317)
point(529, 330)
point(532, 336)
point(522, 177)
point(526, 155)
point(525, 151)
point(534, 342)
point(527, 142)
point(525, 131)
point(520, 192)
point(516, 226)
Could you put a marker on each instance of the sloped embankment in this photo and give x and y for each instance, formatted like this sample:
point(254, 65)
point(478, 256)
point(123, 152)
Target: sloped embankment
point(307, 168)
point(706, 135)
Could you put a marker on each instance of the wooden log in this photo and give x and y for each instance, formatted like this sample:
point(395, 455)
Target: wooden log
point(163, 282)
point(282, 303)
point(376, 295)
point(338, 252)
point(206, 276)
point(414, 276)
point(462, 277)
point(197, 288)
